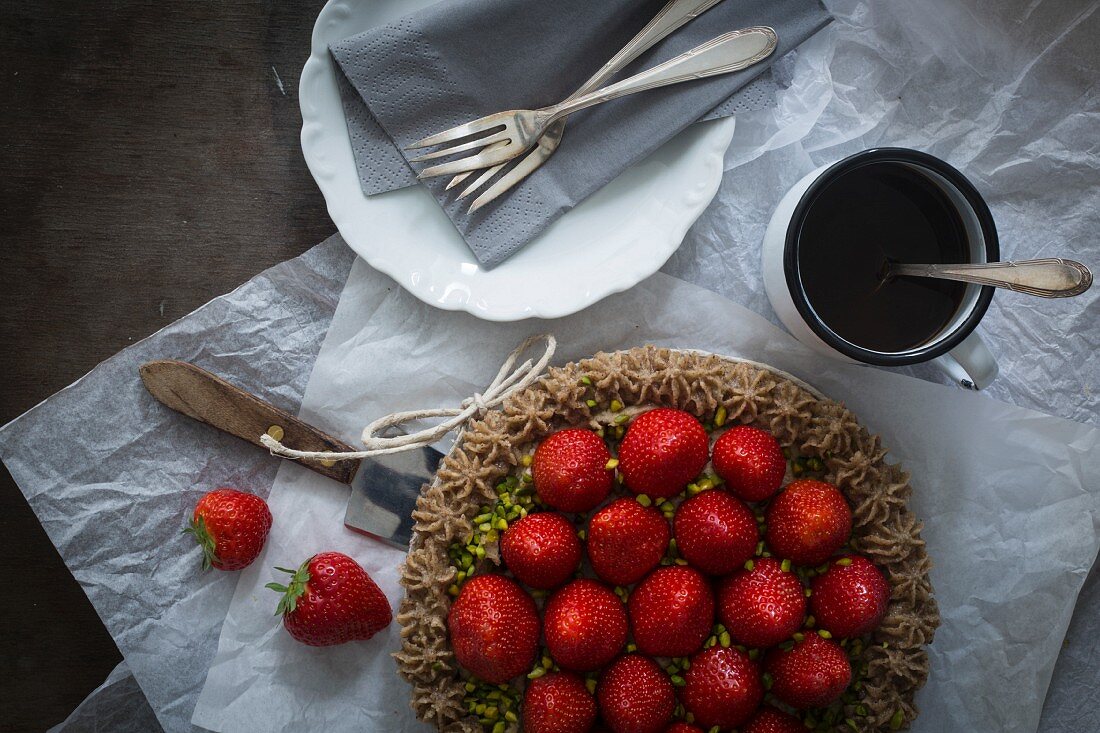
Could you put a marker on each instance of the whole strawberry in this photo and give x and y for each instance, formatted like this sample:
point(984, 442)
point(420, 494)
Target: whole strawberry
point(585, 625)
point(494, 628)
point(663, 450)
point(541, 550)
point(570, 470)
point(773, 720)
point(671, 612)
point(808, 522)
point(558, 702)
point(715, 532)
point(626, 540)
point(331, 600)
point(850, 598)
point(763, 606)
point(636, 696)
point(811, 675)
point(722, 687)
point(231, 527)
point(750, 461)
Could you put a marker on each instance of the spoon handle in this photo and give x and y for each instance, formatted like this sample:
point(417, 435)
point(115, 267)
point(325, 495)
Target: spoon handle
point(1048, 278)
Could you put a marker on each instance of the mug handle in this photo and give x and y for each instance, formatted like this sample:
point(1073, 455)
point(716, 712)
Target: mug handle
point(970, 363)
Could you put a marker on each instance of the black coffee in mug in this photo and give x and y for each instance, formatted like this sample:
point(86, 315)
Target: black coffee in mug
point(879, 212)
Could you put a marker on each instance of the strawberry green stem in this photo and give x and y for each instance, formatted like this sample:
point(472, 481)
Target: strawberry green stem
point(292, 591)
point(205, 540)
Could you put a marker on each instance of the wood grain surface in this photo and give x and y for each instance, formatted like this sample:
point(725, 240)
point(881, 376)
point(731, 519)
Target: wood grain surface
point(149, 161)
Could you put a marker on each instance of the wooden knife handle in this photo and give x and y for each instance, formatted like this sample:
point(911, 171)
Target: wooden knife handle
point(210, 399)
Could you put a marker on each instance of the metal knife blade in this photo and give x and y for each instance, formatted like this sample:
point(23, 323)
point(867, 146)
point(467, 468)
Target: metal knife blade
point(383, 489)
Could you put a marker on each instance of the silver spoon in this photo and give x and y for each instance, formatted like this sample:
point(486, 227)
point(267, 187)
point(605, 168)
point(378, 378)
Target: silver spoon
point(1047, 278)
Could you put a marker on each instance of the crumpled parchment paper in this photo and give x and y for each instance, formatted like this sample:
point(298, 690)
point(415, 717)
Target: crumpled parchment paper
point(113, 475)
point(1011, 520)
point(1004, 91)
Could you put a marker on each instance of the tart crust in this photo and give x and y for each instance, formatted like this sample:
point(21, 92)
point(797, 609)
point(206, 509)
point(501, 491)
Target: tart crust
point(491, 448)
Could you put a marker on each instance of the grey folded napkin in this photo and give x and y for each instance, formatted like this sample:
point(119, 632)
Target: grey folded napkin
point(461, 59)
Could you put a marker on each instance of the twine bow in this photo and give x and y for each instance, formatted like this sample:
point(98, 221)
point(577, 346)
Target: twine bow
point(506, 382)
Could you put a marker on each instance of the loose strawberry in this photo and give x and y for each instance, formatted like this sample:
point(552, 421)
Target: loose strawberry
point(626, 540)
point(811, 675)
point(558, 702)
point(808, 522)
point(763, 606)
point(722, 687)
point(331, 600)
point(850, 598)
point(682, 727)
point(494, 628)
point(636, 696)
point(231, 527)
point(570, 470)
point(541, 550)
point(774, 720)
point(663, 450)
point(750, 461)
point(715, 532)
point(671, 612)
point(585, 625)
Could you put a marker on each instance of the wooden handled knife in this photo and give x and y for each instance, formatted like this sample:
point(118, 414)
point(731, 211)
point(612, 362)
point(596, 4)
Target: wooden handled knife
point(383, 490)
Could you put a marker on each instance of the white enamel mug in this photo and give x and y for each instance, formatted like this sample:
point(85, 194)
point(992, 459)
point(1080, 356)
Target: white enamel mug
point(957, 348)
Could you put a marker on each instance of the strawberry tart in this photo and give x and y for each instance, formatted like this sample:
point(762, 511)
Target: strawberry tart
point(657, 540)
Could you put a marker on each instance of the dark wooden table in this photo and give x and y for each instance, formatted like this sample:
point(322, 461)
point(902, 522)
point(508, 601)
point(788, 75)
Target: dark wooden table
point(149, 161)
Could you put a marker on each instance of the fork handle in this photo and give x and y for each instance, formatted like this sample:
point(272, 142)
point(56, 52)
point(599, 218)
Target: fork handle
point(727, 53)
point(671, 17)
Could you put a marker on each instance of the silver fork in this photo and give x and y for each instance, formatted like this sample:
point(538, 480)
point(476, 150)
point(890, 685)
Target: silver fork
point(518, 130)
point(671, 17)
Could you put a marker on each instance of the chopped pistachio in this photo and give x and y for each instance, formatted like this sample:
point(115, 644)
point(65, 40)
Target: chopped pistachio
point(720, 416)
point(724, 639)
point(616, 406)
point(527, 460)
point(897, 719)
point(785, 566)
point(591, 403)
point(643, 500)
point(749, 565)
point(824, 634)
point(677, 680)
point(844, 562)
point(612, 464)
point(586, 380)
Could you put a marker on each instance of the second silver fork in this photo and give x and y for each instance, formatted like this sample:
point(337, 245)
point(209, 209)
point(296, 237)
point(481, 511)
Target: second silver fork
point(671, 17)
point(519, 129)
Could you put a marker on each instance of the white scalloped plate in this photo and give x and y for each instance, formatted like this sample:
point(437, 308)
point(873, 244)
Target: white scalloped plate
point(609, 243)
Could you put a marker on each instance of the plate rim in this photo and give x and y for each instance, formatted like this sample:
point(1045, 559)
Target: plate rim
point(340, 205)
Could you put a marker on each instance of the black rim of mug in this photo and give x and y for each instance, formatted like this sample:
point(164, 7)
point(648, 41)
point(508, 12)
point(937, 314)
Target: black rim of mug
point(794, 231)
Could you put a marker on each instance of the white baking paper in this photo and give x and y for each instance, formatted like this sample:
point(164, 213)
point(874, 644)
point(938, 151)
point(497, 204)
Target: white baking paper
point(1006, 91)
point(1011, 520)
point(113, 476)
